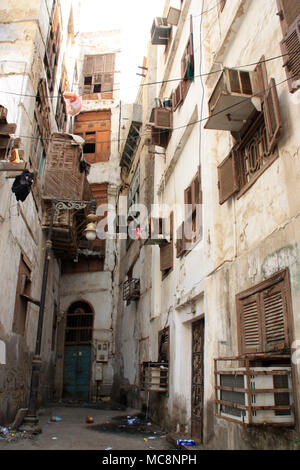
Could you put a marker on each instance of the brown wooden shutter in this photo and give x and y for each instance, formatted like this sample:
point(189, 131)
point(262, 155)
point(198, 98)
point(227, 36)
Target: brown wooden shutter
point(264, 317)
point(288, 11)
point(290, 47)
point(272, 115)
point(249, 322)
point(228, 181)
point(275, 318)
point(160, 137)
point(177, 97)
point(166, 250)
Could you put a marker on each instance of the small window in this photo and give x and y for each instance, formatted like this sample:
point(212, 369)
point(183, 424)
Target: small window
point(89, 148)
point(97, 88)
point(87, 80)
point(166, 252)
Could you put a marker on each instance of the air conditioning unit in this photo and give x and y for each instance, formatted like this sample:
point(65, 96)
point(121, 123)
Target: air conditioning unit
point(102, 348)
point(154, 377)
point(160, 31)
point(233, 101)
point(263, 395)
point(173, 16)
point(162, 118)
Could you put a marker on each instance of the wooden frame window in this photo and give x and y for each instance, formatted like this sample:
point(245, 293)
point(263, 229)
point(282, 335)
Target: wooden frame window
point(98, 75)
point(22, 294)
point(264, 316)
point(167, 251)
point(190, 230)
point(95, 128)
point(53, 47)
point(289, 15)
point(257, 146)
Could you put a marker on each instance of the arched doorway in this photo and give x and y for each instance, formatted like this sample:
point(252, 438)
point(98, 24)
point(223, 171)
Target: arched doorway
point(77, 363)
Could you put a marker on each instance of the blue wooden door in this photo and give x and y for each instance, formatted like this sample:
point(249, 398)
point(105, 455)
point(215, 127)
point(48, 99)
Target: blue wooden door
point(77, 371)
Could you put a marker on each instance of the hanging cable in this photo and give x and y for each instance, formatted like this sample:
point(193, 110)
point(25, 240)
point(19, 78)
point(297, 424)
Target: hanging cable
point(175, 128)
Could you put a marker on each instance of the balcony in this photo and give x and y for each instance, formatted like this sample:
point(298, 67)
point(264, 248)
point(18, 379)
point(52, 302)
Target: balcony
point(65, 181)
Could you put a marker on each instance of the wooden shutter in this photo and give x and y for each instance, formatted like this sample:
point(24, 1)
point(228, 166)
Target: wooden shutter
point(228, 180)
point(288, 11)
point(249, 321)
point(275, 318)
point(180, 241)
point(264, 317)
point(272, 115)
point(290, 47)
point(166, 250)
point(177, 97)
point(160, 137)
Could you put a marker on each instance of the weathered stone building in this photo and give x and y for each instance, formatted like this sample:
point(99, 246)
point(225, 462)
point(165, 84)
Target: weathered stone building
point(228, 302)
point(35, 63)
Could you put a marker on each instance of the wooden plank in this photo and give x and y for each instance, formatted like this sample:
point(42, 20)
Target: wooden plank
point(6, 166)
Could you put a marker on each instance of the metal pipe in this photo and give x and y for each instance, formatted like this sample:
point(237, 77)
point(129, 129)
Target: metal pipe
point(31, 417)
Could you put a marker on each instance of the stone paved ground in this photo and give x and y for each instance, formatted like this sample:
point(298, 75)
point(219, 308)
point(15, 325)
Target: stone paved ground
point(110, 429)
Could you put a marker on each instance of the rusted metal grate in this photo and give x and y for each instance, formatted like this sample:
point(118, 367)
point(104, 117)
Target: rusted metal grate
point(254, 395)
point(131, 289)
point(154, 376)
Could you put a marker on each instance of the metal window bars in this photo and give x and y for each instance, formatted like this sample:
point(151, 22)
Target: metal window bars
point(251, 394)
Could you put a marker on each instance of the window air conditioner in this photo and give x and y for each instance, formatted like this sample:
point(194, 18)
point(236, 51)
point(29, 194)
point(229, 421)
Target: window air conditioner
point(155, 377)
point(265, 399)
point(233, 101)
point(160, 31)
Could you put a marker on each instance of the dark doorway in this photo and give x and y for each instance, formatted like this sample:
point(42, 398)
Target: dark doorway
point(197, 380)
point(78, 338)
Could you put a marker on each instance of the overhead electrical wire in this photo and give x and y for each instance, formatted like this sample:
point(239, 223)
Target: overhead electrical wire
point(179, 127)
point(205, 74)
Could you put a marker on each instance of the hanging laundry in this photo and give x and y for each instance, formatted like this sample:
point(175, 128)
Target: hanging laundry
point(14, 158)
point(73, 103)
point(22, 185)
